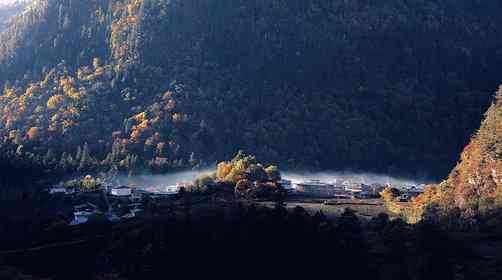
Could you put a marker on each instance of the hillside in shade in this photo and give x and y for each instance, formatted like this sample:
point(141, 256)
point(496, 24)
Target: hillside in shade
point(157, 85)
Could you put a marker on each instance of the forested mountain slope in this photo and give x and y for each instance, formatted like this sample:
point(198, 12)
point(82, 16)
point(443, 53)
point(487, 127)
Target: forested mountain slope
point(10, 10)
point(474, 186)
point(331, 84)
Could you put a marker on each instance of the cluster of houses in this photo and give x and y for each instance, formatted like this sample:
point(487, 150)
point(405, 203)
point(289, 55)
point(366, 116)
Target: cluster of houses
point(126, 202)
point(120, 203)
point(347, 189)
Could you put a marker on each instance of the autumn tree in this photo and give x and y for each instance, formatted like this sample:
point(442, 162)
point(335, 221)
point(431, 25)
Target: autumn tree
point(273, 173)
point(33, 133)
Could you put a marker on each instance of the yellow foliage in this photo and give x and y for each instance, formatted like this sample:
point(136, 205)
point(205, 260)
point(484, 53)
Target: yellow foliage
point(144, 125)
point(66, 82)
point(222, 170)
point(32, 90)
point(135, 135)
point(273, 173)
point(73, 94)
point(141, 117)
point(387, 194)
point(99, 71)
point(22, 104)
point(67, 124)
point(9, 94)
point(54, 101)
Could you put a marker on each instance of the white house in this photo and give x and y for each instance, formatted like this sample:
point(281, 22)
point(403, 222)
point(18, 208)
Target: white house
point(315, 188)
point(173, 189)
point(121, 191)
point(80, 217)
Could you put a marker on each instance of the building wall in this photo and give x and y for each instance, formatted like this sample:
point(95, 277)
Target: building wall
point(121, 192)
point(316, 190)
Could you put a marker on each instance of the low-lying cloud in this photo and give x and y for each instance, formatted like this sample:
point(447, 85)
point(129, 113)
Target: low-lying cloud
point(158, 181)
point(340, 176)
point(161, 181)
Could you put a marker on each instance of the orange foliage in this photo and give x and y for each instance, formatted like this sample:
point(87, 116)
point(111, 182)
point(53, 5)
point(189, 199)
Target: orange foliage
point(33, 133)
point(143, 125)
point(141, 117)
point(135, 134)
point(32, 90)
point(54, 101)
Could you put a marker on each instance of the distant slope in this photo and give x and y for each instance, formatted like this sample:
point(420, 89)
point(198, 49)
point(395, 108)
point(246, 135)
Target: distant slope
point(161, 84)
point(49, 32)
point(8, 11)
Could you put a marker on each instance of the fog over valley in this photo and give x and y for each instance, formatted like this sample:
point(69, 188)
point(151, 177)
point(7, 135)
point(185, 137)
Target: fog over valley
point(355, 177)
point(154, 180)
point(184, 177)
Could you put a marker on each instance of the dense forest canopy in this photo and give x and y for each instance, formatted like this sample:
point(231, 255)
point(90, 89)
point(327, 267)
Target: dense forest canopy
point(157, 84)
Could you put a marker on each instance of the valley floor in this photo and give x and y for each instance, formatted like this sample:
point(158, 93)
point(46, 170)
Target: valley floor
point(332, 208)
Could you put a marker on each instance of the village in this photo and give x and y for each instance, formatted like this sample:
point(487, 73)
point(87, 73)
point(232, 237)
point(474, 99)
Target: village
point(349, 189)
point(117, 203)
point(114, 203)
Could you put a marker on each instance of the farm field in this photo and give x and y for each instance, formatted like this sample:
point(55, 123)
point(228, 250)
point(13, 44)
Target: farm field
point(365, 208)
